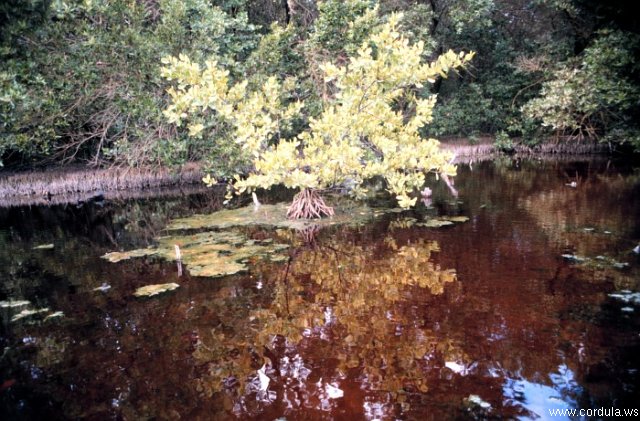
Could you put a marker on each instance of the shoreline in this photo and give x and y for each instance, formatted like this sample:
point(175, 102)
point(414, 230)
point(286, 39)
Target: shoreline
point(73, 185)
point(486, 149)
point(79, 184)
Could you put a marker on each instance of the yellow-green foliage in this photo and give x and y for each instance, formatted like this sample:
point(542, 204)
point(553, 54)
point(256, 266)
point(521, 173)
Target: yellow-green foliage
point(369, 127)
point(204, 100)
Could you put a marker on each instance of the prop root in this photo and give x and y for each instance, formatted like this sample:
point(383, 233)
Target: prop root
point(308, 204)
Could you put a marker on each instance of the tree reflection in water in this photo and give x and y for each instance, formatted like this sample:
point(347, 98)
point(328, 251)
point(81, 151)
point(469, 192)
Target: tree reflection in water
point(337, 308)
point(361, 324)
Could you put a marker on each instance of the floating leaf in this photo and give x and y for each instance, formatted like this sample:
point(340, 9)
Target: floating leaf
point(13, 304)
point(574, 258)
point(103, 288)
point(443, 221)
point(216, 267)
point(28, 313)
point(116, 256)
point(54, 315)
point(270, 216)
point(435, 223)
point(597, 262)
point(402, 223)
point(151, 290)
point(211, 253)
point(222, 253)
point(456, 218)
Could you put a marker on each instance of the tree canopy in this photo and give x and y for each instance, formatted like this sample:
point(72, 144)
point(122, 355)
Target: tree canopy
point(79, 80)
point(369, 126)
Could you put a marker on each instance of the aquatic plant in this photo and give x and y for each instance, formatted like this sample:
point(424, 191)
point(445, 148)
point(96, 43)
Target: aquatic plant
point(208, 254)
point(362, 132)
point(272, 216)
point(151, 290)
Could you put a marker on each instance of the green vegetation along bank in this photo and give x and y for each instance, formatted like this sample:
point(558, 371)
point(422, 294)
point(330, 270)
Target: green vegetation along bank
point(83, 82)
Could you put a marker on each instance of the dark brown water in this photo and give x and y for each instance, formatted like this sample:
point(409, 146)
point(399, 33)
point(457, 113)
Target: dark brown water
point(388, 320)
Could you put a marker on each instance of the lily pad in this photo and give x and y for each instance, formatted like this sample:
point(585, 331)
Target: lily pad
point(13, 304)
point(151, 290)
point(599, 261)
point(117, 256)
point(54, 315)
point(28, 313)
point(402, 223)
point(103, 288)
point(210, 254)
point(435, 223)
point(215, 267)
point(456, 218)
point(443, 221)
point(620, 265)
point(221, 253)
point(574, 258)
point(270, 216)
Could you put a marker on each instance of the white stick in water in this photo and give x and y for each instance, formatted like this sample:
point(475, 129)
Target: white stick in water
point(178, 259)
point(256, 202)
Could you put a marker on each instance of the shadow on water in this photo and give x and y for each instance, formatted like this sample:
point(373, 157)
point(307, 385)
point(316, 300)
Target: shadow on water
point(389, 319)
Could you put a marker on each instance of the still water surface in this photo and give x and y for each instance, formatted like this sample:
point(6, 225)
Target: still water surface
point(389, 319)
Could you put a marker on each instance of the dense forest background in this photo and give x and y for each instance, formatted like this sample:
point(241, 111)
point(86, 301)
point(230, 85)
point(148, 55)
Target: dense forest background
point(80, 80)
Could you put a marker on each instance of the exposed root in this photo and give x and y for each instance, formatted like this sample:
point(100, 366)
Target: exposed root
point(308, 235)
point(308, 204)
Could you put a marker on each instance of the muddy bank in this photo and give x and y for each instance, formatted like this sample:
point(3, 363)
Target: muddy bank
point(100, 196)
point(60, 186)
point(485, 148)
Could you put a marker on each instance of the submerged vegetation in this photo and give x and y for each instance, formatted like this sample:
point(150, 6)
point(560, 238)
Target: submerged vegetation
point(151, 290)
point(354, 285)
point(273, 216)
point(211, 254)
point(226, 250)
